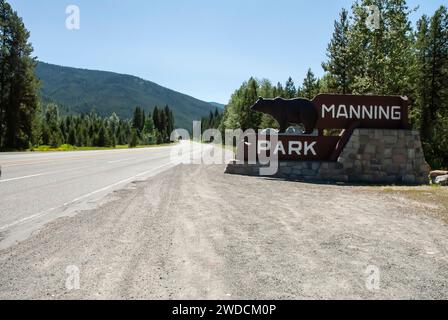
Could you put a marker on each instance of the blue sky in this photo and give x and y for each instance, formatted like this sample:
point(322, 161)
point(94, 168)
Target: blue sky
point(202, 48)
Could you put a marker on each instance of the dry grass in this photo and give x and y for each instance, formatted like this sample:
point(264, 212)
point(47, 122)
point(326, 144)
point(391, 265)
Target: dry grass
point(432, 196)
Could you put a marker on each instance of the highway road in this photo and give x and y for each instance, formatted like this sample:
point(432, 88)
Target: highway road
point(36, 188)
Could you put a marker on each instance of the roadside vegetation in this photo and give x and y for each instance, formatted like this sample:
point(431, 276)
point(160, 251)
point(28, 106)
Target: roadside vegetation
point(434, 197)
point(52, 132)
point(68, 147)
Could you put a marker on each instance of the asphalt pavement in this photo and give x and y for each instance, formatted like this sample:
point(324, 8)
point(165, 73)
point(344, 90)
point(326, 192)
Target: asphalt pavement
point(36, 188)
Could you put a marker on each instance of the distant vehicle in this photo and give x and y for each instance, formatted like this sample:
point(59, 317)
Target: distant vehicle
point(294, 131)
point(269, 131)
point(298, 131)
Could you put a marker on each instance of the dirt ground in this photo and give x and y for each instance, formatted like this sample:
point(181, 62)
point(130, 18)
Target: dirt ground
point(196, 233)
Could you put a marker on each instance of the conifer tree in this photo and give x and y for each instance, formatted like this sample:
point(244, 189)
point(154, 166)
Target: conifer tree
point(338, 63)
point(18, 84)
point(310, 87)
point(431, 85)
point(290, 89)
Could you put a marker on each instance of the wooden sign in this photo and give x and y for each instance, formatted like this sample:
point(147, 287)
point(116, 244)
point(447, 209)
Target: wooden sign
point(291, 147)
point(325, 111)
point(374, 112)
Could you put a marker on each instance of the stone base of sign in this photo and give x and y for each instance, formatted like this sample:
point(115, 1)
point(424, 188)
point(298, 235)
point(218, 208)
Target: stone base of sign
point(376, 156)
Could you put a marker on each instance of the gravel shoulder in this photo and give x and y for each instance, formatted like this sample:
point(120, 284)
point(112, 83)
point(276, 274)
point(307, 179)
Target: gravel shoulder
point(195, 233)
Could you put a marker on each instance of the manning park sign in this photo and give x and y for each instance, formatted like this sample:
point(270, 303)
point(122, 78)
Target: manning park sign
point(324, 112)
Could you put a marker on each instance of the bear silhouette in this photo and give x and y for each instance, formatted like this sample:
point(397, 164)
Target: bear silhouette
point(289, 112)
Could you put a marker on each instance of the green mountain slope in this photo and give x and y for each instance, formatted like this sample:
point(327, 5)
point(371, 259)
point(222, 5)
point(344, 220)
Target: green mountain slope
point(80, 91)
point(218, 105)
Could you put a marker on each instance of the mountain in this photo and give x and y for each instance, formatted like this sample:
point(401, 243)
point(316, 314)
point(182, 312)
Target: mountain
point(80, 91)
point(218, 105)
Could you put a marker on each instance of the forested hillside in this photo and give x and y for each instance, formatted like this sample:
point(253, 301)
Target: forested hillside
point(80, 91)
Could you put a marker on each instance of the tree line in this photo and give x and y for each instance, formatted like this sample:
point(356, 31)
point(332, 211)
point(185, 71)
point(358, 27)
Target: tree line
point(155, 128)
point(394, 58)
point(237, 113)
point(213, 120)
point(92, 130)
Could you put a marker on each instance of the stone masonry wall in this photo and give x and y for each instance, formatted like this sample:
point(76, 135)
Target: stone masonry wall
point(370, 156)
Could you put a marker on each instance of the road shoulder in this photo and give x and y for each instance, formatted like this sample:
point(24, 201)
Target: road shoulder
point(194, 232)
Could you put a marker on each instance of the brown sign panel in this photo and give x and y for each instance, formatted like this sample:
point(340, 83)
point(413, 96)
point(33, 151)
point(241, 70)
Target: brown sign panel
point(326, 111)
point(287, 147)
point(375, 112)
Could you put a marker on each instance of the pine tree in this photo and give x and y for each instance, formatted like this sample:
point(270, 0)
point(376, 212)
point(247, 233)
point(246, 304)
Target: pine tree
point(5, 12)
point(137, 119)
point(169, 126)
point(339, 56)
point(156, 118)
point(133, 139)
point(251, 119)
point(163, 124)
point(213, 121)
point(148, 131)
point(290, 89)
point(310, 87)
point(382, 58)
point(423, 77)
point(149, 126)
point(266, 90)
point(279, 90)
point(102, 137)
point(142, 120)
point(438, 52)
point(18, 84)
point(55, 138)
point(112, 140)
point(37, 128)
point(431, 85)
point(238, 114)
point(72, 137)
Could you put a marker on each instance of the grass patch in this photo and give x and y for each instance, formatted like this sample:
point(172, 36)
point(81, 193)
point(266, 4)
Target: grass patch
point(68, 147)
point(431, 195)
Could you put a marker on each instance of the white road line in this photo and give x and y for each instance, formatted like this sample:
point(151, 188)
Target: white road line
point(117, 184)
point(46, 212)
point(24, 177)
point(34, 216)
point(48, 157)
point(43, 174)
point(118, 161)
